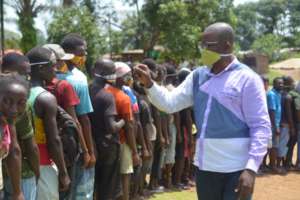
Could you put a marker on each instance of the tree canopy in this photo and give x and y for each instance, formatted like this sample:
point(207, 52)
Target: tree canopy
point(176, 25)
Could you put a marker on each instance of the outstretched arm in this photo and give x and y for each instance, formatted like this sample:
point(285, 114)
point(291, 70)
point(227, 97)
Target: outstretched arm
point(167, 101)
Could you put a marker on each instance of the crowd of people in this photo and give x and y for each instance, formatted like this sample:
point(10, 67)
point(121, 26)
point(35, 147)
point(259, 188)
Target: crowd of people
point(116, 145)
point(131, 131)
point(284, 110)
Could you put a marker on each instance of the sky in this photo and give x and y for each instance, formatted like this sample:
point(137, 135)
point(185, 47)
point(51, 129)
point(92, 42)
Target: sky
point(44, 18)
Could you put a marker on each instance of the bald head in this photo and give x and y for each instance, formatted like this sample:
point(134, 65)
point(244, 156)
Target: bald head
point(219, 37)
point(104, 67)
point(224, 31)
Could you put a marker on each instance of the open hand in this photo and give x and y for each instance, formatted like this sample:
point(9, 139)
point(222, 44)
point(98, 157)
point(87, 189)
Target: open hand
point(246, 185)
point(143, 74)
point(64, 182)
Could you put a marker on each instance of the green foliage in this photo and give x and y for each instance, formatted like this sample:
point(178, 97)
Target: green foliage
point(246, 31)
point(116, 42)
point(174, 24)
point(29, 35)
point(178, 35)
point(278, 17)
point(26, 11)
point(271, 14)
point(268, 44)
point(78, 20)
point(272, 74)
point(12, 40)
point(224, 12)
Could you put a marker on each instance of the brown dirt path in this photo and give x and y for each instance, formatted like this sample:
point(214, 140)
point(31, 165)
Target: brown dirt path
point(276, 187)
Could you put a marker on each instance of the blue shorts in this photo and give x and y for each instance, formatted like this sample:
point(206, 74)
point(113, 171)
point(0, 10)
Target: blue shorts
point(283, 141)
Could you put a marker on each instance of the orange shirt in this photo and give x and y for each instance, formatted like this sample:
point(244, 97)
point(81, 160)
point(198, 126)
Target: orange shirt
point(123, 106)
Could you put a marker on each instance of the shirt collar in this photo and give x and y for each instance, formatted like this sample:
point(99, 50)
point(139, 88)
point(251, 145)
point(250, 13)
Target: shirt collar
point(276, 91)
point(230, 66)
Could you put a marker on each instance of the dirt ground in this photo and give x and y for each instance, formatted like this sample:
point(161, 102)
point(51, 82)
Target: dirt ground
point(295, 74)
point(275, 187)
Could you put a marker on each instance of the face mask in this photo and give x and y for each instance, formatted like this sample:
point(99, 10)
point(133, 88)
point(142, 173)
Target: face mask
point(111, 79)
point(111, 82)
point(26, 77)
point(209, 58)
point(79, 61)
point(128, 80)
point(63, 68)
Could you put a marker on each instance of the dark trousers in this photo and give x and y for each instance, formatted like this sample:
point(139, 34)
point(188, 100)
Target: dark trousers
point(217, 186)
point(155, 171)
point(107, 174)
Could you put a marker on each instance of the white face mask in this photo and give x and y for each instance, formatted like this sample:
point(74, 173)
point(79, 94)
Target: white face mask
point(109, 78)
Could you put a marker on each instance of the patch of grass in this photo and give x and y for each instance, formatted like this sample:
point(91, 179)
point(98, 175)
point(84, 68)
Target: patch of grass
point(273, 74)
point(174, 195)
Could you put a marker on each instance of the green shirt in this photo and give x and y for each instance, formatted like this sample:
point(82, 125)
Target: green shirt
point(295, 104)
point(296, 98)
point(24, 129)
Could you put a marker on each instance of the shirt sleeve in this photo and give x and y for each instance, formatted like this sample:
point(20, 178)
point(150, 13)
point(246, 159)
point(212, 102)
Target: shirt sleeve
point(172, 101)
point(145, 113)
point(23, 126)
point(271, 101)
point(69, 96)
point(110, 108)
point(125, 109)
point(85, 105)
point(297, 103)
point(254, 107)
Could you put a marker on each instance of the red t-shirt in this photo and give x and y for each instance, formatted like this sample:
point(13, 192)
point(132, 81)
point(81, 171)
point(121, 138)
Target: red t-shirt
point(64, 93)
point(123, 106)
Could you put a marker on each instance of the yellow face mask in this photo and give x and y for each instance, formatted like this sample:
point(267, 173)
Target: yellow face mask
point(209, 58)
point(79, 61)
point(63, 68)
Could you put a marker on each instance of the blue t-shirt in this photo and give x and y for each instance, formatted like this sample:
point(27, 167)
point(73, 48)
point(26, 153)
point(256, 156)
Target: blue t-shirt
point(79, 81)
point(274, 103)
point(133, 99)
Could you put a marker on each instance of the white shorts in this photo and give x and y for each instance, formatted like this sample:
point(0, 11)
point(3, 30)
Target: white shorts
point(126, 165)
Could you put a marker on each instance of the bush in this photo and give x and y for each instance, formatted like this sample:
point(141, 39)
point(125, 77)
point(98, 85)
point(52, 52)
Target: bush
point(269, 45)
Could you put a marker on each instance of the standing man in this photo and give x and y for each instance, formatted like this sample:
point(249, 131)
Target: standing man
point(105, 131)
point(296, 114)
point(230, 112)
point(44, 108)
point(274, 107)
point(185, 141)
point(83, 184)
point(158, 140)
point(129, 155)
point(264, 167)
point(288, 132)
point(17, 63)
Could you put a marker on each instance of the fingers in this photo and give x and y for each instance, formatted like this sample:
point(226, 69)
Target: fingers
point(244, 191)
point(238, 189)
point(139, 71)
point(142, 66)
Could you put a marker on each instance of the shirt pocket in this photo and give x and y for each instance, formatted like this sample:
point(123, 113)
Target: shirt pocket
point(231, 95)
